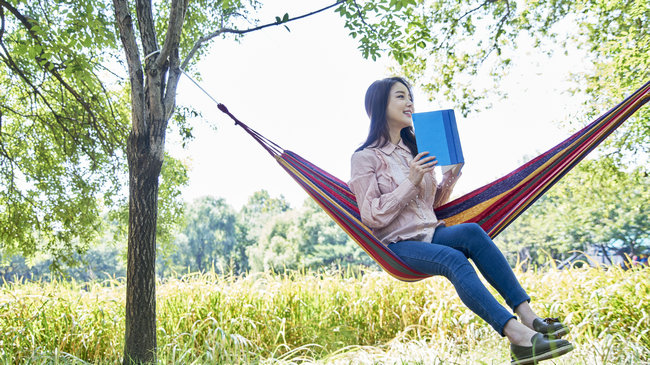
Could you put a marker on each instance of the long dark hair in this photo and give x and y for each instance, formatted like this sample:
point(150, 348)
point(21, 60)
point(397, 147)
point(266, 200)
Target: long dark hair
point(376, 103)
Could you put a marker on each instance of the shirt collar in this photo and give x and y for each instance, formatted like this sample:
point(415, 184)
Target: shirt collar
point(389, 147)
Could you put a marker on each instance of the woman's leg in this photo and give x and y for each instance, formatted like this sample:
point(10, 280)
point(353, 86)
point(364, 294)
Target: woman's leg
point(442, 260)
point(475, 244)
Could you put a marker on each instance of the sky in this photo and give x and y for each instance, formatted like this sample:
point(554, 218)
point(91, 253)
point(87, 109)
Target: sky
point(304, 90)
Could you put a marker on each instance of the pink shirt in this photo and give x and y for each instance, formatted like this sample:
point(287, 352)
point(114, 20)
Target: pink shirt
point(394, 208)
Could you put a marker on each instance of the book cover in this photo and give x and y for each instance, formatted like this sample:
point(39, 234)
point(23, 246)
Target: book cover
point(437, 133)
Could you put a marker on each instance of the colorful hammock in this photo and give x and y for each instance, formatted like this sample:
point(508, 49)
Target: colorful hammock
point(493, 206)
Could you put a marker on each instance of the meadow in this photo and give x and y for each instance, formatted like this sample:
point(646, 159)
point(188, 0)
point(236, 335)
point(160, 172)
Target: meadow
point(324, 318)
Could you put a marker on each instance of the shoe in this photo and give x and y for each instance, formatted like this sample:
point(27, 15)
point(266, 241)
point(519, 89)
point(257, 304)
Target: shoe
point(542, 349)
point(551, 327)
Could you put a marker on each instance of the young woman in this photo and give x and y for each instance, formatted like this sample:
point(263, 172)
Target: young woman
point(397, 192)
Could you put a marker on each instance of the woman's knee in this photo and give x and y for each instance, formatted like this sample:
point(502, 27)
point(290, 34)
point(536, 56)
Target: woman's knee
point(455, 263)
point(475, 237)
point(474, 229)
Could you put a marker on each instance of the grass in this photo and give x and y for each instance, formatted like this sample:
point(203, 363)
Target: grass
point(299, 318)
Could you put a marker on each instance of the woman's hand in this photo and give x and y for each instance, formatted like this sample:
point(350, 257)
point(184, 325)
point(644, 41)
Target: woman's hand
point(420, 166)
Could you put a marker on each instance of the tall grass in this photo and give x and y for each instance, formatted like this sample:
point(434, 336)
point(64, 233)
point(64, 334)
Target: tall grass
point(320, 318)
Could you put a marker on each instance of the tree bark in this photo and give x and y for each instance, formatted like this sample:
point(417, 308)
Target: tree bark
point(144, 168)
point(153, 94)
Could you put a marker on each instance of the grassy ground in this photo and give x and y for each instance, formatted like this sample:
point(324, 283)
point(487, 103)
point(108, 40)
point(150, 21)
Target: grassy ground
point(321, 318)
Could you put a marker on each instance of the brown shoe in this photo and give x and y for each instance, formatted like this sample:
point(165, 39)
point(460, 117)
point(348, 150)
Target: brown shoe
point(551, 327)
point(542, 349)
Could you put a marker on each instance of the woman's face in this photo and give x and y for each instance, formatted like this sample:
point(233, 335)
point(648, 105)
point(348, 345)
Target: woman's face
point(399, 110)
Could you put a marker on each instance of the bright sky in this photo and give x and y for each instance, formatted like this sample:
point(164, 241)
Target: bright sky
point(304, 90)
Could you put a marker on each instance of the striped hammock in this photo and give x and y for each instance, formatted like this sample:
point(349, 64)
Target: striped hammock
point(493, 206)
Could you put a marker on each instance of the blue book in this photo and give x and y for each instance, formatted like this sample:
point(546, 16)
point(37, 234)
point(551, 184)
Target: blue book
point(437, 133)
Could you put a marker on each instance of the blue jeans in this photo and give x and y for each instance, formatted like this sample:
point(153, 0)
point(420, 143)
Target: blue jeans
point(448, 255)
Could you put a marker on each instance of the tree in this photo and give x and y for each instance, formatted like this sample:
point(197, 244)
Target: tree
point(154, 71)
point(209, 236)
point(303, 238)
point(253, 216)
point(324, 243)
point(603, 208)
point(57, 56)
point(278, 247)
point(590, 206)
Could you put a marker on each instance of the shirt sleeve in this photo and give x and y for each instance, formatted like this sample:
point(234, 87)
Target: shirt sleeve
point(444, 189)
point(377, 210)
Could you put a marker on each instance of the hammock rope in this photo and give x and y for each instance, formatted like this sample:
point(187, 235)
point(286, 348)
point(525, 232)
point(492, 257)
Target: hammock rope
point(493, 206)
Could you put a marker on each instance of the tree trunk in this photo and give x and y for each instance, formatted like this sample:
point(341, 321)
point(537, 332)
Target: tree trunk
point(145, 162)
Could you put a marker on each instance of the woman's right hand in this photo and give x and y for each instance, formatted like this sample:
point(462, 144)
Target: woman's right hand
point(419, 166)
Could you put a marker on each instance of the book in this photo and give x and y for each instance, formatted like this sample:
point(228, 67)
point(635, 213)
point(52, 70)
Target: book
point(437, 133)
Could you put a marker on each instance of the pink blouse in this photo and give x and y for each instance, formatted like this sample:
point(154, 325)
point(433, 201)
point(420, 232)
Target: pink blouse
point(394, 208)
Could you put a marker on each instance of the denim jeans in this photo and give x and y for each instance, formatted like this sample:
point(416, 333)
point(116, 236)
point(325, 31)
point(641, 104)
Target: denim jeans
point(448, 255)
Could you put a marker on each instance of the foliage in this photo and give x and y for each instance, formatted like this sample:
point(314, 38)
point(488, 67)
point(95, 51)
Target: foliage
point(304, 238)
point(595, 204)
point(98, 262)
point(60, 128)
point(171, 209)
point(63, 123)
point(331, 318)
point(209, 237)
point(324, 243)
point(444, 46)
point(259, 210)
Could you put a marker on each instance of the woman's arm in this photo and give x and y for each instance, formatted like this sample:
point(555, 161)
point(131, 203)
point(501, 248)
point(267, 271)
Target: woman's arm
point(377, 210)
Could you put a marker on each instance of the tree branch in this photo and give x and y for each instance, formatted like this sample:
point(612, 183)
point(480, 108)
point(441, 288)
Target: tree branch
point(52, 68)
point(363, 20)
point(13, 66)
point(146, 26)
point(169, 102)
point(174, 28)
point(136, 75)
point(217, 33)
point(498, 33)
point(455, 22)
point(2, 25)
point(473, 10)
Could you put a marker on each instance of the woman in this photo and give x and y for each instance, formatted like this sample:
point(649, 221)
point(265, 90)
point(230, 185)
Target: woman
point(397, 192)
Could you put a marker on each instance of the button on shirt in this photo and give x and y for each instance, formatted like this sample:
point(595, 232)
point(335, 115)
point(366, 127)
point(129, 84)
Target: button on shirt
point(394, 208)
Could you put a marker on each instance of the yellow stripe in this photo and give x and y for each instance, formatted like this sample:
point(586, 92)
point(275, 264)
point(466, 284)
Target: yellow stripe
point(498, 228)
point(477, 209)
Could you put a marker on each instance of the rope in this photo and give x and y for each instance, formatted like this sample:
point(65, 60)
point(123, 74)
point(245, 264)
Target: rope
point(204, 91)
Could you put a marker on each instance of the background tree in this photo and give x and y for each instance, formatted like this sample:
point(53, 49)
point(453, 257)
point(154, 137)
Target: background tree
point(589, 207)
point(324, 243)
point(304, 238)
point(208, 237)
point(253, 216)
point(278, 248)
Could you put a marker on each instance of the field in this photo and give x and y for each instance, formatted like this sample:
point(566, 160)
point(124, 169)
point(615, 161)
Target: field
point(333, 318)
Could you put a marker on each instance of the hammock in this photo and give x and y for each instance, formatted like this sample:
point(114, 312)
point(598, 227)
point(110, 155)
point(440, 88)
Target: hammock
point(493, 206)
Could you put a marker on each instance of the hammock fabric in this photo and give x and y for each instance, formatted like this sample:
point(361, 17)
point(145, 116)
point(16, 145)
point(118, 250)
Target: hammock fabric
point(493, 206)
